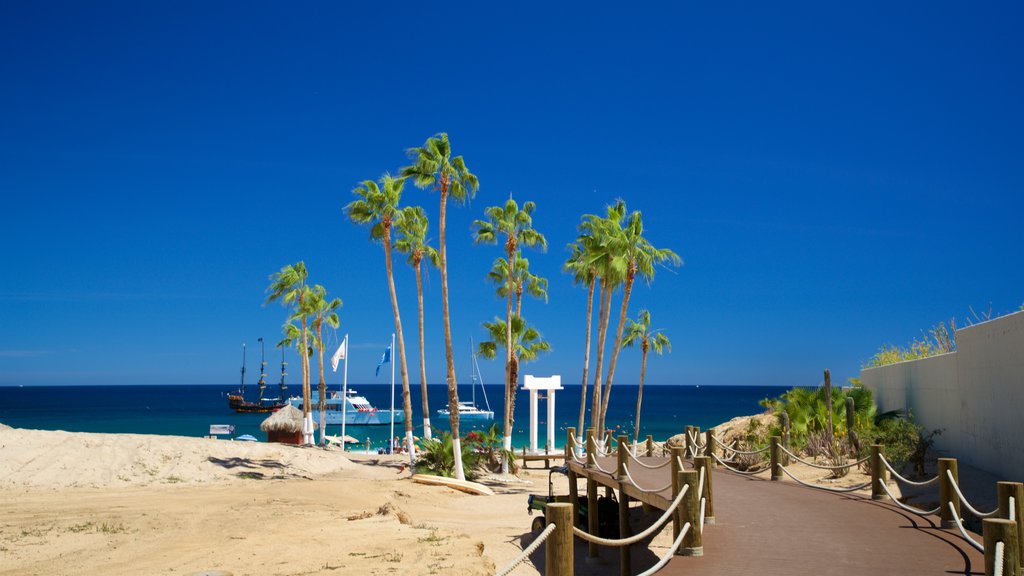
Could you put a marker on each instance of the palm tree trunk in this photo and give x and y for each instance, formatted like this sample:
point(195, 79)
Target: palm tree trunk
point(586, 359)
point(595, 407)
point(406, 399)
point(423, 361)
point(519, 302)
point(510, 385)
point(321, 387)
point(640, 391)
point(453, 391)
point(306, 408)
point(627, 290)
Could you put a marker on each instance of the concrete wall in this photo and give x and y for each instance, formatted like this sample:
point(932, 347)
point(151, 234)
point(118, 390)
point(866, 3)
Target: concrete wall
point(976, 395)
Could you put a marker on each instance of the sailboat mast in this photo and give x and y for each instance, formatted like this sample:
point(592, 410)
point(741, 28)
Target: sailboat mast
point(263, 369)
point(283, 374)
point(241, 386)
point(472, 368)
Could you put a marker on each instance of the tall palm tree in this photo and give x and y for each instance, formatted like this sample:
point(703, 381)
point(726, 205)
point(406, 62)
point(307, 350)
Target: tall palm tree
point(377, 206)
point(433, 167)
point(630, 250)
point(523, 281)
point(583, 272)
point(412, 240)
point(325, 311)
point(516, 225)
point(527, 342)
point(639, 331)
point(289, 287)
point(597, 241)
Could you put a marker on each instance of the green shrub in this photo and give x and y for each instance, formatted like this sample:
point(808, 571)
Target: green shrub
point(437, 456)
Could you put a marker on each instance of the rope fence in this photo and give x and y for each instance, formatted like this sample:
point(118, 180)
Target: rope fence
point(963, 499)
point(910, 509)
point(527, 551)
point(648, 466)
point(821, 466)
point(997, 566)
point(963, 532)
point(587, 537)
point(736, 470)
point(745, 452)
point(827, 488)
point(897, 476)
point(671, 552)
point(646, 491)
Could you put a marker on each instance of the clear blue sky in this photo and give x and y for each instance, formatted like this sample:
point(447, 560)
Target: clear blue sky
point(835, 177)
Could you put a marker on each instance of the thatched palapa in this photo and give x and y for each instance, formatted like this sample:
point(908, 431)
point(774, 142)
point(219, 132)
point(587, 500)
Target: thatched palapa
point(284, 426)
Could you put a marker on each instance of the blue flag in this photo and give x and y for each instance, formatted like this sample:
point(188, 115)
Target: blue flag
point(384, 359)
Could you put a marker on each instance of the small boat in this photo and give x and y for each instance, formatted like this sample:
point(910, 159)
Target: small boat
point(469, 410)
point(357, 409)
point(236, 399)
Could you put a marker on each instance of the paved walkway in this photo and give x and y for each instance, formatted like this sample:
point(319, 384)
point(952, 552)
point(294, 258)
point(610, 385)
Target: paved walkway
point(765, 528)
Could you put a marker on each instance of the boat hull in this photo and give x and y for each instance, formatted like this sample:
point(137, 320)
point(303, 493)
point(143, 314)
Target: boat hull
point(361, 415)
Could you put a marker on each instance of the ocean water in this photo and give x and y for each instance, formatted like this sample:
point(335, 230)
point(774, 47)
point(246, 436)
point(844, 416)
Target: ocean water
point(190, 410)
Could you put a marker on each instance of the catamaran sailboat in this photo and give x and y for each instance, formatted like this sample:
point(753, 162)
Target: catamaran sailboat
point(469, 410)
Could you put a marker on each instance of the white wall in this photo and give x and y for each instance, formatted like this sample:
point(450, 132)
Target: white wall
point(976, 395)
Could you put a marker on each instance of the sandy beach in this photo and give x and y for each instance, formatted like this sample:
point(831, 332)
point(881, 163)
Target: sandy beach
point(78, 503)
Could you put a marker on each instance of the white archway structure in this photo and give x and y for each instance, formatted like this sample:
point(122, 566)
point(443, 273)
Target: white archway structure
point(536, 385)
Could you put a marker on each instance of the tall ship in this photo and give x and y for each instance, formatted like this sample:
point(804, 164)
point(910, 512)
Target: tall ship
point(356, 409)
point(469, 410)
point(236, 399)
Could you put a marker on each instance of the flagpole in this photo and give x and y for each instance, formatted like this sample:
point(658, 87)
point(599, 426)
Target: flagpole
point(391, 436)
point(344, 396)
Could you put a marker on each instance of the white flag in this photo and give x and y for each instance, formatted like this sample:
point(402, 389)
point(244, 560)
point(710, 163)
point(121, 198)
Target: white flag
point(339, 355)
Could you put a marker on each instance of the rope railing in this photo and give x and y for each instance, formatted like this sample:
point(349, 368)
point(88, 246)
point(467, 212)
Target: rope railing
point(700, 483)
point(668, 555)
point(636, 537)
point(745, 452)
point(827, 488)
point(598, 466)
point(648, 466)
point(897, 476)
point(821, 466)
point(703, 503)
point(644, 490)
point(997, 564)
point(1013, 508)
point(527, 551)
point(910, 509)
point(738, 471)
point(963, 499)
point(963, 532)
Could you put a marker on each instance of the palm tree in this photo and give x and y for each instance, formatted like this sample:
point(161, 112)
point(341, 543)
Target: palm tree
point(516, 225)
point(325, 311)
point(630, 250)
point(412, 240)
point(583, 272)
point(289, 286)
point(378, 207)
point(434, 167)
point(527, 342)
point(597, 252)
point(640, 332)
point(523, 281)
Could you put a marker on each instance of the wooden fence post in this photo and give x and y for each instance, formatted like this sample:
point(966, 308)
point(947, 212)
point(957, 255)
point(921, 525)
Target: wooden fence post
point(1005, 491)
point(650, 445)
point(946, 492)
point(676, 456)
point(705, 463)
point(621, 454)
point(558, 558)
point(709, 445)
point(784, 422)
point(776, 461)
point(877, 473)
point(625, 560)
point(693, 543)
point(591, 448)
point(592, 521)
point(1005, 531)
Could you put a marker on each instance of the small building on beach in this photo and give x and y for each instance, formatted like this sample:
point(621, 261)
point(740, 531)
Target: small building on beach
point(284, 426)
